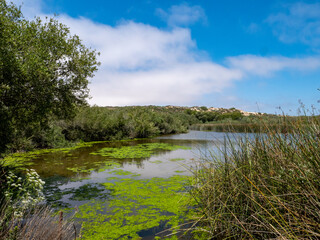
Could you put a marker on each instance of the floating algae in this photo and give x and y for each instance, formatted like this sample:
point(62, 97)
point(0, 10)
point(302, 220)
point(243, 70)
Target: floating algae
point(144, 150)
point(124, 173)
point(109, 165)
point(177, 159)
point(137, 206)
point(25, 159)
point(156, 161)
point(111, 206)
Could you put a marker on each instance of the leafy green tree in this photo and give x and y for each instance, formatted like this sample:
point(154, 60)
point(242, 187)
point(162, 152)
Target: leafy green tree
point(44, 73)
point(204, 108)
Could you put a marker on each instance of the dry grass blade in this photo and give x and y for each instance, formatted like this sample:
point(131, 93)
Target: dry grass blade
point(38, 223)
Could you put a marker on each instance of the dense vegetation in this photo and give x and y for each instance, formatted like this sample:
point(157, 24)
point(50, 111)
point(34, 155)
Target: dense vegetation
point(253, 123)
point(44, 73)
point(266, 187)
point(204, 115)
point(102, 123)
point(115, 123)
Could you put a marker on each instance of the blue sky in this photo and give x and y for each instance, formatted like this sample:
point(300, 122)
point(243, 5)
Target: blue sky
point(252, 55)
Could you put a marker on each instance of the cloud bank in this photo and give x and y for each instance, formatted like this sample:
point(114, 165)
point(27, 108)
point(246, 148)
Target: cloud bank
point(143, 64)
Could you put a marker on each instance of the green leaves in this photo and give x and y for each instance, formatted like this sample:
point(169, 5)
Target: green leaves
point(44, 73)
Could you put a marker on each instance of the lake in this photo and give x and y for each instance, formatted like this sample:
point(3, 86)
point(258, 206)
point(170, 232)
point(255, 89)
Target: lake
point(135, 189)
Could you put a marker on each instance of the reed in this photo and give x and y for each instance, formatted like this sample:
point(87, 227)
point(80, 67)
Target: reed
point(262, 187)
point(36, 223)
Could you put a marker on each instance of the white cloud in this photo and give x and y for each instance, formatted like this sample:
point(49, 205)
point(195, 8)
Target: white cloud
point(177, 84)
point(142, 64)
point(133, 45)
point(265, 66)
point(182, 15)
point(299, 23)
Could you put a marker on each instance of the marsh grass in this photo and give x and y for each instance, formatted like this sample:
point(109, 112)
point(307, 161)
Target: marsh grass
point(239, 127)
point(263, 187)
point(36, 223)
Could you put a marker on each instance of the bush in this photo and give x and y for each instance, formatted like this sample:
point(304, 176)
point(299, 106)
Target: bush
point(22, 192)
point(21, 215)
point(101, 123)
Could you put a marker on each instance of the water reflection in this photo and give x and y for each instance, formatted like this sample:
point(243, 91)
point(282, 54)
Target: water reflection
point(75, 169)
point(76, 177)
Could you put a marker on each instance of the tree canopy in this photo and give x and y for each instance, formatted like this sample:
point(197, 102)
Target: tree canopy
point(44, 72)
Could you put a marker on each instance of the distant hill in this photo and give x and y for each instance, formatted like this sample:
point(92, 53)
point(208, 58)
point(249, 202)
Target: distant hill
point(213, 109)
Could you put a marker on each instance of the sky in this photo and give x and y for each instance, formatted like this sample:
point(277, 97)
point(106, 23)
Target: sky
point(261, 56)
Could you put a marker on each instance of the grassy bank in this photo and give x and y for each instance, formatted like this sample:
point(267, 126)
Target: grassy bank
point(115, 123)
point(266, 187)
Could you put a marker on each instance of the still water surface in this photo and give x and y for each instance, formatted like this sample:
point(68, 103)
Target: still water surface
point(79, 179)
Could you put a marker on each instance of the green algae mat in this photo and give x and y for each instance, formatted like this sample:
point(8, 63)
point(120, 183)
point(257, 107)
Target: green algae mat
point(138, 151)
point(24, 159)
point(137, 206)
point(121, 190)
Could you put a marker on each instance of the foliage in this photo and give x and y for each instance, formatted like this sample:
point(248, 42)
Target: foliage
point(205, 116)
point(102, 123)
point(254, 123)
point(265, 187)
point(44, 73)
point(19, 194)
point(52, 137)
point(204, 108)
point(22, 193)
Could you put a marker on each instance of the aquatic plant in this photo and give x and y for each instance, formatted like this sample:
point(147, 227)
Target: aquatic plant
point(156, 161)
point(23, 160)
point(87, 192)
point(123, 172)
point(136, 206)
point(144, 150)
point(177, 159)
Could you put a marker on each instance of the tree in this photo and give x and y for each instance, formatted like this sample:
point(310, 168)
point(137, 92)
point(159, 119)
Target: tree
point(44, 73)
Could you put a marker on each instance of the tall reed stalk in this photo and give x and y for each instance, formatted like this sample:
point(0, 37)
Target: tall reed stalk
point(264, 187)
point(37, 223)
